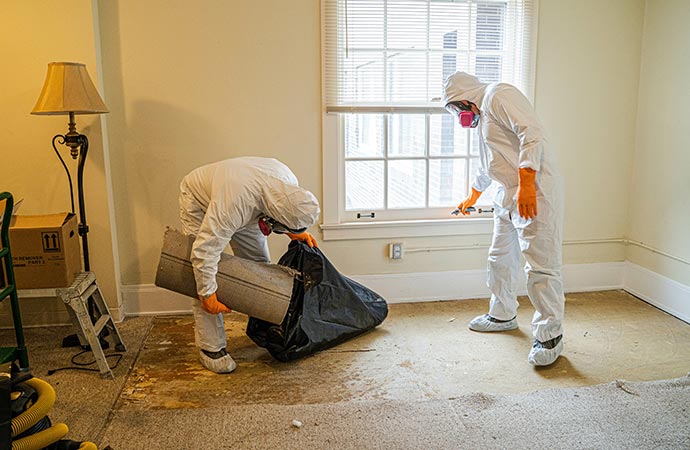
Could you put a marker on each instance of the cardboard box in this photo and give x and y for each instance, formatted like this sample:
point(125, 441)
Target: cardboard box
point(45, 250)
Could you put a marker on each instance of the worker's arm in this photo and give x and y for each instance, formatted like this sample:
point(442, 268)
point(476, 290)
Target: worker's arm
point(305, 237)
point(215, 233)
point(219, 225)
point(513, 111)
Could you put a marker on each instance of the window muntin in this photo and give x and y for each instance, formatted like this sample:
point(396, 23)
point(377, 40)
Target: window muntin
point(398, 167)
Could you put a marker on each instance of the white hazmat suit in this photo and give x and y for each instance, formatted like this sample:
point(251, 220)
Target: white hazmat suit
point(221, 204)
point(512, 138)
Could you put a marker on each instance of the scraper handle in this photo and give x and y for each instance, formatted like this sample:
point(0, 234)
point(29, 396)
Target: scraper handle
point(457, 211)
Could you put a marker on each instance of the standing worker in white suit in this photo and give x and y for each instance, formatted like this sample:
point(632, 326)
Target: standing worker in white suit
point(238, 201)
point(528, 210)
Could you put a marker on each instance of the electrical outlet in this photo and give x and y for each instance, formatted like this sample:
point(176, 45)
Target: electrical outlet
point(395, 250)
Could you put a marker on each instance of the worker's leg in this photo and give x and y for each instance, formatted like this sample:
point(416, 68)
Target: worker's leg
point(504, 262)
point(209, 329)
point(541, 243)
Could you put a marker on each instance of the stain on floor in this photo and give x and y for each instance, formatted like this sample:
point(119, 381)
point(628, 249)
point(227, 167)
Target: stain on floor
point(168, 374)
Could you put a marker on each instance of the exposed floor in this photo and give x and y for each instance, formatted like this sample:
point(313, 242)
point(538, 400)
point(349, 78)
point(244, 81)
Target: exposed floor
point(422, 353)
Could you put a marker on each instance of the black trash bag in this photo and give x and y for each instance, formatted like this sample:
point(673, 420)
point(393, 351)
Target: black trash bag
point(326, 308)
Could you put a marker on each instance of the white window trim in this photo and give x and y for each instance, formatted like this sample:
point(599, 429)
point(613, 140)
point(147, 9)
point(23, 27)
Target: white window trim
point(334, 228)
point(407, 228)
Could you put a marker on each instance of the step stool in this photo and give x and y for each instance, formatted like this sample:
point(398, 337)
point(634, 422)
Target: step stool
point(76, 298)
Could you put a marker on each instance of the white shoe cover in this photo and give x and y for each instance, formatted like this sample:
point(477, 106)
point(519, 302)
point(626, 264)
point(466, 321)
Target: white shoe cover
point(484, 323)
point(224, 364)
point(540, 356)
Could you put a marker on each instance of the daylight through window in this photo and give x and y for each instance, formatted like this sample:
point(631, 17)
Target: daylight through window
point(385, 61)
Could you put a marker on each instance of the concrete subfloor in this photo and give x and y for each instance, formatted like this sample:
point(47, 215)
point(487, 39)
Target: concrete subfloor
point(422, 351)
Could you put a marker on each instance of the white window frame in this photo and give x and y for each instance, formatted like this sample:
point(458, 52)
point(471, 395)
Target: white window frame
point(338, 224)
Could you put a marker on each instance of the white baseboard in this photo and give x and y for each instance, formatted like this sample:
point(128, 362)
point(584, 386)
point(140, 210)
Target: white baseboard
point(397, 288)
point(427, 286)
point(664, 293)
point(149, 299)
point(466, 284)
point(118, 314)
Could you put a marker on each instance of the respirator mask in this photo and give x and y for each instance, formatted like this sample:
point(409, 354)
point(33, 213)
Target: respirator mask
point(468, 119)
point(268, 225)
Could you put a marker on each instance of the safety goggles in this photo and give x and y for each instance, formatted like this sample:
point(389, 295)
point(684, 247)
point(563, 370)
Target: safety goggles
point(457, 107)
point(268, 225)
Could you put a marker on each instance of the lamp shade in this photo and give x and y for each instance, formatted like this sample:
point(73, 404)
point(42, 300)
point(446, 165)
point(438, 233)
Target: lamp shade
point(68, 89)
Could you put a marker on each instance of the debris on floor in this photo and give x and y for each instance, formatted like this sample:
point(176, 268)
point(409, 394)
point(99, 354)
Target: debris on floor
point(296, 423)
point(352, 350)
point(620, 384)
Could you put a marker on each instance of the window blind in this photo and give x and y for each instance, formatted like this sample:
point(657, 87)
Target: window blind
point(393, 55)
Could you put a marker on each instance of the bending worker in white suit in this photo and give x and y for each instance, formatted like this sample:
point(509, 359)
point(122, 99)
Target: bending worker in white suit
point(528, 210)
point(238, 201)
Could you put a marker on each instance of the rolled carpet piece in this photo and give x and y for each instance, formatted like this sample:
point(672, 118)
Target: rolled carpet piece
point(257, 289)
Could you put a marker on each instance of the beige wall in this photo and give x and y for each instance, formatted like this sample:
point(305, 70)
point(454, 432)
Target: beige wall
point(188, 83)
point(660, 187)
point(196, 82)
point(587, 82)
point(32, 34)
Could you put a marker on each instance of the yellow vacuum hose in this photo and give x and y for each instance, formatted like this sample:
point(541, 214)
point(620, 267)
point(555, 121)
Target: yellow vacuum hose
point(46, 400)
point(37, 411)
point(41, 439)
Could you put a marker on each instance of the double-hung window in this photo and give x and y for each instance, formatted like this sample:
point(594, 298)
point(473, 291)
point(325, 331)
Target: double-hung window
point(391, 152)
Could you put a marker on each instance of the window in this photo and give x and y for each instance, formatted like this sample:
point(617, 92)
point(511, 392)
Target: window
point(391, 152)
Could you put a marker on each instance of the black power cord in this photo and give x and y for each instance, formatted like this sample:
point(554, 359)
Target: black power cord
point(79, 365)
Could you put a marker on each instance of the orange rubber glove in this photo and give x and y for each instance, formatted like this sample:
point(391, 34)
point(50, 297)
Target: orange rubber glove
point(304, 237)
point(527, 193)
point(469, 201)
point(211, 305)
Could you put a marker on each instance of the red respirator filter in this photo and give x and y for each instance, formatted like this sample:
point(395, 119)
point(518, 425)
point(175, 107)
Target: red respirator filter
point(466, 119)
point(264, 227)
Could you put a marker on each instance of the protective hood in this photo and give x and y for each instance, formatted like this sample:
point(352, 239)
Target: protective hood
point(289, 204)
point(463, 86)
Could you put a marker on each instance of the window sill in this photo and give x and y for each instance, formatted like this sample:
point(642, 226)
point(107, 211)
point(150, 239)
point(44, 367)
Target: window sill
point(406, 228)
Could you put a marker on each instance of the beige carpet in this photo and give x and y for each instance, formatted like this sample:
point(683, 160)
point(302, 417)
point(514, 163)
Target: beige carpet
point(84, 400)
point(645, 415)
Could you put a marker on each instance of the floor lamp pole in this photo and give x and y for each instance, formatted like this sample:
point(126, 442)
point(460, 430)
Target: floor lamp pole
point(79, 147)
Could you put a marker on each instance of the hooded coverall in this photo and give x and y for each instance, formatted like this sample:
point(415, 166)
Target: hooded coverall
point(221, 204)
point(511, 137)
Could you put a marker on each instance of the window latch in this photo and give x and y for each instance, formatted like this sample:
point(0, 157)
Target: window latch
point(366, 216)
